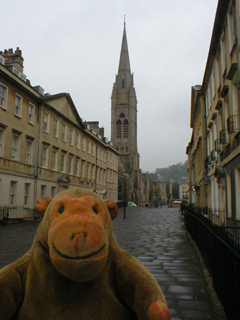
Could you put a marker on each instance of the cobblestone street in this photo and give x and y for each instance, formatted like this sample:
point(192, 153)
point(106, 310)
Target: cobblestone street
point(157, 237)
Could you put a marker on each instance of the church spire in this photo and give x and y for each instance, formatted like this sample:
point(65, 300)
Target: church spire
point(124, 63)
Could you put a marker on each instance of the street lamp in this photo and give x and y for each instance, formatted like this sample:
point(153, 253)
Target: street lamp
point(124, 213)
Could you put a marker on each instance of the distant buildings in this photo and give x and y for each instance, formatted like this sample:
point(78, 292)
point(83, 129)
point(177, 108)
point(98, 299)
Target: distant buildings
point(153, 189)
point(214, 149)
point(183, 192)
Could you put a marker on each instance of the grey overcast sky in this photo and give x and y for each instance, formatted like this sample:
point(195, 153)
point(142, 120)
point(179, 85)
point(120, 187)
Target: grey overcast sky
point(74, 46)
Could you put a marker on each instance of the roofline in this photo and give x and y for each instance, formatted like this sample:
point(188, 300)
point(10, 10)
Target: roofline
point(25, 86)
point(216, 35)
point(69, 98)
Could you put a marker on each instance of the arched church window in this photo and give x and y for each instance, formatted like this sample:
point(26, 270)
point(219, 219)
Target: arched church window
point(125, 129)
point(122, 83)
point(122, 115)
point(119, 129)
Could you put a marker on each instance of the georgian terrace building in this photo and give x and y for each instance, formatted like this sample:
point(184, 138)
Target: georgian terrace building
point(220, 88)
point(44, 145)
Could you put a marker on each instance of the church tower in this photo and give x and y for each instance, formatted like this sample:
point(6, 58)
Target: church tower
point(124, 124)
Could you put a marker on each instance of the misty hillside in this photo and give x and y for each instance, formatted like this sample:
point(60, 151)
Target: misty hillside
point(175, 172)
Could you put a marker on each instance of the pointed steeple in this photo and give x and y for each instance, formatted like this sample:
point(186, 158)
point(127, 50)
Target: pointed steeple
point(124, 63)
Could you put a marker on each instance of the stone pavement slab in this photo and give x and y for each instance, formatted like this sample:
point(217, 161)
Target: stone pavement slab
point(157, 237)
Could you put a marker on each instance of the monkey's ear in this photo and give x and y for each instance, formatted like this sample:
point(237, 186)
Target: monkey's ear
point(42, 204)
point(112, 208)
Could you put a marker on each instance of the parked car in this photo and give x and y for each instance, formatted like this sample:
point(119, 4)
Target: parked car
point(146, 204)
point(131, 204)
point(176, 201)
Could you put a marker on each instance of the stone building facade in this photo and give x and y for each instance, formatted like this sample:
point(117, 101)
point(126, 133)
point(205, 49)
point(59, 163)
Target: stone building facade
point(220, 89)
point(196, 150)
point(124, 126)
point(44, 145)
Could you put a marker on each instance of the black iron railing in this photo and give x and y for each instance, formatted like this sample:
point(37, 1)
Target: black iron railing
point(233, 124)
point(220, 250)
point(223, 136)
point(18, 212)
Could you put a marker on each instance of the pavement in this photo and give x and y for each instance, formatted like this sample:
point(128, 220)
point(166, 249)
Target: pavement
point(158, 238)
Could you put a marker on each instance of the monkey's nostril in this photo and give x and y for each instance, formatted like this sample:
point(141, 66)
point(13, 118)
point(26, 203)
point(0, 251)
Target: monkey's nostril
point(73, 236)
point(85, 234)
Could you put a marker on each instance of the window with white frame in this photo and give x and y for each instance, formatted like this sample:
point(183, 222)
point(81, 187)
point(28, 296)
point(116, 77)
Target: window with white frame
point(97, 153)
point(82, 169)
point(100, 178)
point(12, 193)
point(54, 159)
point(97, 175)
point(55, 128)
point(46, 122)
point(2, 140)
point(29, 144)
point(93, 150)
point(77, 167)
point(88, 172)
point(83, 144)
point(53, 191)
point(107, 155)
point(18, 105)
point(89, 147)
point(78, 141)
point(93, 172)
point(63, 162)
point(104, 177)
point(101, 155)
point(70, 164)
point(110, 157)
point(104, 157)
point(15, 146)
point(26, 194)
point(43, 190)
point(71, 136)
point(64, 132)
point(45, 156)
point(3, 96)
point(31, 113)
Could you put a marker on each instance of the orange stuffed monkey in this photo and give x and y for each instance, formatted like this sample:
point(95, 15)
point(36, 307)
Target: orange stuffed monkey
point(75, 269)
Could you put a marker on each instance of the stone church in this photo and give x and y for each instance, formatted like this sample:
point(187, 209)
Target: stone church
point(124, 127)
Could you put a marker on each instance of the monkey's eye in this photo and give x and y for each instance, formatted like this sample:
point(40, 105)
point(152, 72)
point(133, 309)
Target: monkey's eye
point(61, 209)
point(95, 210)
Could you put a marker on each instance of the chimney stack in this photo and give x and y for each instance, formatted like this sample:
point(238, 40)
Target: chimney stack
point(13, 58)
